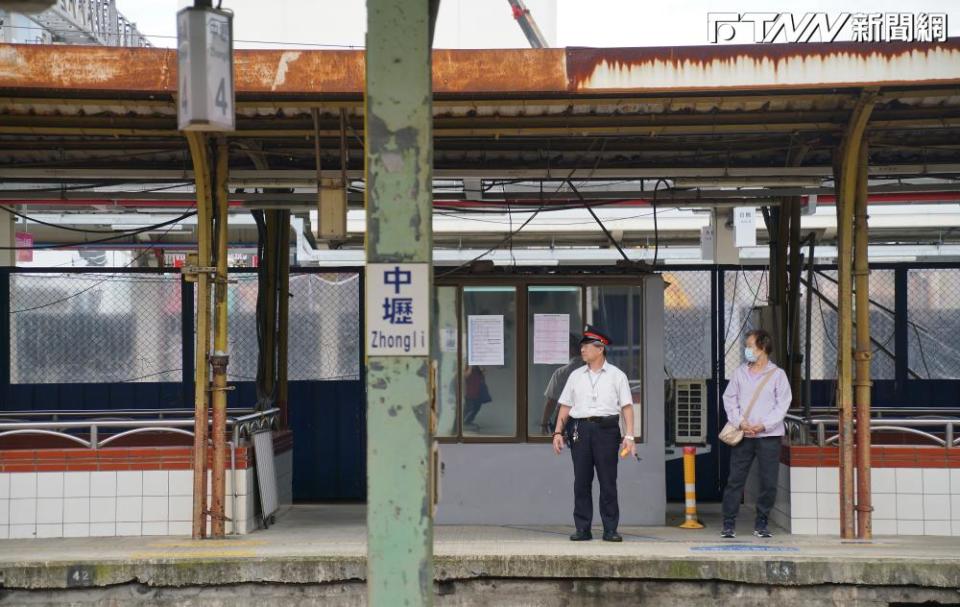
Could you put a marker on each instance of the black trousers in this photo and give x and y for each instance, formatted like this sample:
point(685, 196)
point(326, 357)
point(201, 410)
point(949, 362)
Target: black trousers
point(766, 451)
point(596, 448)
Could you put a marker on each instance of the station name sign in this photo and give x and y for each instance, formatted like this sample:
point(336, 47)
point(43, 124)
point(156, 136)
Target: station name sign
point(397, 303)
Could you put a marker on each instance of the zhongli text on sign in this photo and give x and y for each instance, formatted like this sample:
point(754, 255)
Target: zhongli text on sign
point(397, 309)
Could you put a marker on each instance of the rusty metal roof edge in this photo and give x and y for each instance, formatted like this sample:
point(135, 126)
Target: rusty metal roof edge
point(708, 52)
point(761, 66)
point(273, 71)
point(505, 73)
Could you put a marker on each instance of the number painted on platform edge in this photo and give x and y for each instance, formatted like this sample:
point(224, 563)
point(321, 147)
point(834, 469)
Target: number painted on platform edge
point(80, 575)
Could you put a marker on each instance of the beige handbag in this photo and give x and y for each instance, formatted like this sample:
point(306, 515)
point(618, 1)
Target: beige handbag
point(732, 435)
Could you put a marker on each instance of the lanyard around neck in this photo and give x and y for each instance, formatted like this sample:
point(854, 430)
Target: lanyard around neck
point(594, 384)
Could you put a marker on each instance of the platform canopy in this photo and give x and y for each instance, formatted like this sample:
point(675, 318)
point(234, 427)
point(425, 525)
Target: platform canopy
point(725, 124)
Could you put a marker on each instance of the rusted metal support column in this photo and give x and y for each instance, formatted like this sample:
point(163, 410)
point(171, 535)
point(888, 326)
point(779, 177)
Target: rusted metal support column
point(849, 155)
point(808, 317)
point(269, 286)
point(782, 309)
point(399, 171)
point(219, 358)
point(775, 218)
point(861, 273)
point(283, 315)
point(795, 357)
point(201, 171)
point(791, 209)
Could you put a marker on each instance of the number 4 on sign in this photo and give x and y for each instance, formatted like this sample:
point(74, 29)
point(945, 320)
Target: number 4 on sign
point(221, 100)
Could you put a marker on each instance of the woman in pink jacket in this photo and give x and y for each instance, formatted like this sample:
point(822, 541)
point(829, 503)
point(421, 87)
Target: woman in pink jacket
point(766, 385)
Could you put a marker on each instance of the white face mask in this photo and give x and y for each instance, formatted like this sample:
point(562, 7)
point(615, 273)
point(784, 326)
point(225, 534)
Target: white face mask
point(749, 355)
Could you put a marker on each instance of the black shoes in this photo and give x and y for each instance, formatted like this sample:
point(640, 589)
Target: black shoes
point(728, 530)
point(760, 527)
point(608, 536)
point(612, 536)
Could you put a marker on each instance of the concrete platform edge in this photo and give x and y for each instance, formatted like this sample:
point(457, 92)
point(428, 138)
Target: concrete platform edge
point(799, 571)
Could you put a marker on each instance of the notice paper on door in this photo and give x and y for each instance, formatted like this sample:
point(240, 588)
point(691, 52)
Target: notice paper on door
point(485, 339)
point(551, 339)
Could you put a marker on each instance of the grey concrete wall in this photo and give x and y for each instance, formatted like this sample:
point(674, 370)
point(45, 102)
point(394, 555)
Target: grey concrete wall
point(594, 592)
point(526, 484)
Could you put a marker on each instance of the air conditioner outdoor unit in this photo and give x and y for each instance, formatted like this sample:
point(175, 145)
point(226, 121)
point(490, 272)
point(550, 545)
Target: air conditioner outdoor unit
point(689, 411)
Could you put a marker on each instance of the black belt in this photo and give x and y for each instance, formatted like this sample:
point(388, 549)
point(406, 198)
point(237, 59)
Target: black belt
point(597, 420)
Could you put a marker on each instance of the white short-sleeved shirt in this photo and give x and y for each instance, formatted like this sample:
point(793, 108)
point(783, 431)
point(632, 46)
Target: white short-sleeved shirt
point(590, 394)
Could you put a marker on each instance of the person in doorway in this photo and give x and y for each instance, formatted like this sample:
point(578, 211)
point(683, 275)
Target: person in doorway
point(763, 388)
point(556, 384)
point(591, 404)
point(476, 394)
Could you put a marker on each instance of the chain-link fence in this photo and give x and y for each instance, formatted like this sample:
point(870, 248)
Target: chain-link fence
point(688, 318)
point(95, 328)
point(241, 327)
point(128, 327)
point(116, 327)
point(933, 323)
point(744, 290)
point(324, 327)
point(823, 324)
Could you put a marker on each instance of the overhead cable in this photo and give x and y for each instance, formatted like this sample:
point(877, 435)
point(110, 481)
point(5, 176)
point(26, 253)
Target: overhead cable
point(66, 245)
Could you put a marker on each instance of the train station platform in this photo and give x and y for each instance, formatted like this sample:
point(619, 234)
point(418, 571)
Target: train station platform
point(317, 553)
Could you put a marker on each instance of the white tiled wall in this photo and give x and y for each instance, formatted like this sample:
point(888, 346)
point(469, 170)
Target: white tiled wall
point(246, 520)
point(149, 502)
point(906, 501)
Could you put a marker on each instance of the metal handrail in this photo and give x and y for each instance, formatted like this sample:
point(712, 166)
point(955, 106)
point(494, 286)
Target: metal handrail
point(242, 426)
point(913, 431)
point(898, 410)
point(799, 429)
point(110, 439)
point(43, 432)
point(159, 413)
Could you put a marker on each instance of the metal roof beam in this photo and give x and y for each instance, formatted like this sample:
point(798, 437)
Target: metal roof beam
point(307, 178)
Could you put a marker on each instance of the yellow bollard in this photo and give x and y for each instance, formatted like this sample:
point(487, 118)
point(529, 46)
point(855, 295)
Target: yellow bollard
point(690, 488)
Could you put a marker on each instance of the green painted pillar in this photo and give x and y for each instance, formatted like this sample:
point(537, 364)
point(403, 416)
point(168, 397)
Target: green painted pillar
point(399, 172)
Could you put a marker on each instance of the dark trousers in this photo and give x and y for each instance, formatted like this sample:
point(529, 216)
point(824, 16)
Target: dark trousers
point(596, 448)
point(766, 451)
point(470, 409)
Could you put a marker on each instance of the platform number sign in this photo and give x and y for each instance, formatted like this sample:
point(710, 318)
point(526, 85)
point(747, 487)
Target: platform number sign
point(205, 70)
point(397, 309)
point(79, 576)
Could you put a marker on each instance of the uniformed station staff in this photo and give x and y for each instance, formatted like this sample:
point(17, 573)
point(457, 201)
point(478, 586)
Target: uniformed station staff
point(592, 401)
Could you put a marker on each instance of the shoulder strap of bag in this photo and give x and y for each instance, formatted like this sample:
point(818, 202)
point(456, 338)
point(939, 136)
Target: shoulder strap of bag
point(756, 393)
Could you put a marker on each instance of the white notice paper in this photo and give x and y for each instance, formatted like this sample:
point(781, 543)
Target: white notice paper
point(485, 339)
point(551, 339)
